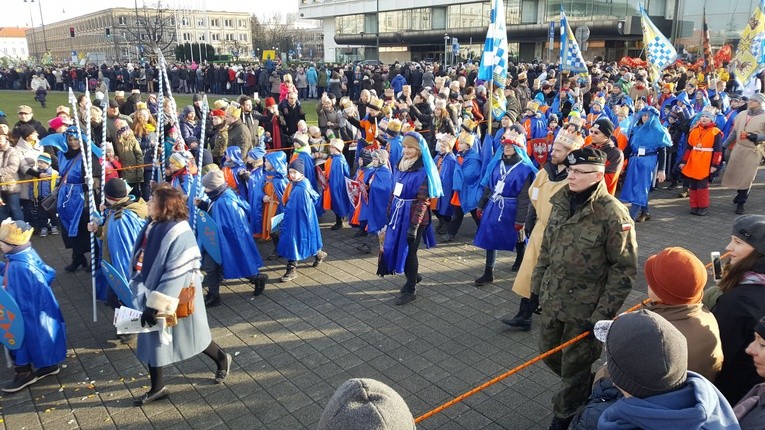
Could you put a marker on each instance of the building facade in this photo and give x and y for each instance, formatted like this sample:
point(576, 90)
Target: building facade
point(121, 34)
point(13, 43)
point(456, 29)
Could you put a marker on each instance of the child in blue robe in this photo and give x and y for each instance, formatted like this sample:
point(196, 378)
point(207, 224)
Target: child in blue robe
point(336, 193)
point(299, 237)
point(27, 280)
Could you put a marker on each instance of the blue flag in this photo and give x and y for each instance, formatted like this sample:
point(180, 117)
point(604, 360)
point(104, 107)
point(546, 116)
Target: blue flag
point(494, 59)
point(570, 55)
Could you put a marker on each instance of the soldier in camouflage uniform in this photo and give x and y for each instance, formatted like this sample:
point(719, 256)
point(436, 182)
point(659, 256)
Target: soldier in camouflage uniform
point(586, 268)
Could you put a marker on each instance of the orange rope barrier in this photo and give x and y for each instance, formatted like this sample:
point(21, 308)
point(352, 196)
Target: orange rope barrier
point(517, 369)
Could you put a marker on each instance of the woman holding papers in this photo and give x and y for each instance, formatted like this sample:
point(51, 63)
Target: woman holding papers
point(166, 282)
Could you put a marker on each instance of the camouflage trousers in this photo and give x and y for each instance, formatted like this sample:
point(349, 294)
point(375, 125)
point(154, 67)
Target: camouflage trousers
point(573, 364)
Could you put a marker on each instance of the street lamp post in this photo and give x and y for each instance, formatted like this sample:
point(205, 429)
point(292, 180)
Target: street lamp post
point(34, 33)
point(377, 30)
point(446, 47)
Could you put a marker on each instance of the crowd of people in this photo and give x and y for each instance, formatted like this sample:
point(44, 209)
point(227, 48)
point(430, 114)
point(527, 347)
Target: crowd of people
point(553, 167)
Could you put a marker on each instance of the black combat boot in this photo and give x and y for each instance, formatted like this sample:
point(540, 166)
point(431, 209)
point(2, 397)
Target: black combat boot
point(520, 250)
point(486, 278)
point(522, 320)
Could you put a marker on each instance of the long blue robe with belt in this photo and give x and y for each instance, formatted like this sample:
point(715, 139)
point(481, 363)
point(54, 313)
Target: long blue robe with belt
point(395, 245)
point(310, 174)
point(278, 178)
point(121, 236)
point(28, 279)
point(640, 174)
point(239, 254)
point(300, 235)
point(497, 228)
point(71, 195)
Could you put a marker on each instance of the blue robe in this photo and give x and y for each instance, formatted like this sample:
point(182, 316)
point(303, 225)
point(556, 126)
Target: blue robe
point(379, 182)
point(71, 196)
point(28, 281)
point(467, 177)
point(310, 174)
point(239, 254)
point(338, 171)
point(367, 172)
point(396, 150)
point(640, 175)
point(121, 235)
point(277, 177)
point(395, 245)
point(497, 228)
point(446, 172)
point(233, 160)
point(300, 235)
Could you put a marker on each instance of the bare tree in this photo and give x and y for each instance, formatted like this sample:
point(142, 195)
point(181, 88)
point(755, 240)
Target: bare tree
point(154, 27)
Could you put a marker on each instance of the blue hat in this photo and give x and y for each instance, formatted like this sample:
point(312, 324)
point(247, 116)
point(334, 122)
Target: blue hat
point(256, 153)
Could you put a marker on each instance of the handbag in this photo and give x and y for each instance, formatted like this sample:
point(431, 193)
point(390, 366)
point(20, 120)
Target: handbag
point(50, 202)
point(186, 302)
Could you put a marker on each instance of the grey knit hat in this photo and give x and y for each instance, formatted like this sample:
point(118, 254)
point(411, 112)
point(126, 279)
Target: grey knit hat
point(646, 354)
point(366, 404)
point(751, 229)
point(213, 180)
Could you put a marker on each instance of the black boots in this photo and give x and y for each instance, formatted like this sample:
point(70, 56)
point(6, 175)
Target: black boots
point(486, 278)
point(77, 261)
point(522, 320)
point(24, 377)
point(291, 272)
point(561, 423)
point(520, 250)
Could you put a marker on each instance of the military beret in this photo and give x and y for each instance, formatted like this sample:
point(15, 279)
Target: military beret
point(586, 155)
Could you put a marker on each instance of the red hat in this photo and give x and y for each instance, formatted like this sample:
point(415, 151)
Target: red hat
point(270, 102)
point(219, 112)
point(58, 122)
point(676, 276)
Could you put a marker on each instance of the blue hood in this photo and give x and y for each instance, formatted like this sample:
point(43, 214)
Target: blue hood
point(233, 157)
point(697, 405)
point(278, 159)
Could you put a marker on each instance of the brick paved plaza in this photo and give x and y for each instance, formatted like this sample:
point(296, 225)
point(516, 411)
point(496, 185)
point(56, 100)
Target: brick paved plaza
point(297, 342)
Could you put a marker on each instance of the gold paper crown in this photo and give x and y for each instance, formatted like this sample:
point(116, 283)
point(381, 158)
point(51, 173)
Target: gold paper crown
point(533, 106)
point(599, 100)
point(446, 138)
point(469, 125)
point(15, 232)
point(234, 111)
point(569, 140)
point(375, 104)
point(467, 138)
point(511, 137)
point(394, 126)
point(140, 105)
point(576, 120)
point(220, 104)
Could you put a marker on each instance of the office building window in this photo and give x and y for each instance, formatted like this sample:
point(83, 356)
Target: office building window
point(215, 37)
point(201, 37)
point(185, 21)
point(122, 20)
point(215, 22)
point(242, 37)
point(529, 11)
point(228, 23)
point(200, 22)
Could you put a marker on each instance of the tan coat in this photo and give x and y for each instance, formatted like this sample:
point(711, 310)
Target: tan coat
point(745, 158)
point(700, 329)
point(540, 192)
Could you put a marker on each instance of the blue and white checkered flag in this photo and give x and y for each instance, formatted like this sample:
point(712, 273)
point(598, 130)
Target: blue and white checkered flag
point(570, 55)
point(659, 52)
point(494, 58)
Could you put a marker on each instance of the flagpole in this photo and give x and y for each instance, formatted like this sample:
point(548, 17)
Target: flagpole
point(491, 113)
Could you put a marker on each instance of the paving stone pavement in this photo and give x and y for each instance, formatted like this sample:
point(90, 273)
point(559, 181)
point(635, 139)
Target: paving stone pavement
point(297, 342)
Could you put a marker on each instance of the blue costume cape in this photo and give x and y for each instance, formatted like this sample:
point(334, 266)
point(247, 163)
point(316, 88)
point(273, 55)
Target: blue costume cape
point(395, 245)
point(310, 174)
point(446, 172)
point(367, 171)
point(278, 177)
point(239, 254)
point(466, 180)
point(338, 171)
point(28, 281)
point(71, 196)
point(233, 160)
point(396, 150)
point(651, 136)
point(731, 117)
point(121, 237)
point(379, 182)
point(497, 228)
point(538, 127)
point(300, 235)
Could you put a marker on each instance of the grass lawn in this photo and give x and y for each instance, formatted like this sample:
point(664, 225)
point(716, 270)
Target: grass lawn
point(10, 100)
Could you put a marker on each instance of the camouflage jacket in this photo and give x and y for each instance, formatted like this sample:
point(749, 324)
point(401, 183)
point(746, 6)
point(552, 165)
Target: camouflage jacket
point(220, 142)
point(588, 261)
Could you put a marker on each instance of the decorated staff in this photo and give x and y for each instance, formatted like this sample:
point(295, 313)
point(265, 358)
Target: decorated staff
point(104, 106)
point(88, 165)
point(157, 170)
point(200, 190)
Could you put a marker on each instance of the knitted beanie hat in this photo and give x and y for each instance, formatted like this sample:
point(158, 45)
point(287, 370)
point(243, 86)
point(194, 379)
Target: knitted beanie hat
point(366, 404)
point(646, 355)
point(676, 276)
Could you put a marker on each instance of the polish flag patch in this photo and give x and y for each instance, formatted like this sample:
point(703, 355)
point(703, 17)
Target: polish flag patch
point(626, 226)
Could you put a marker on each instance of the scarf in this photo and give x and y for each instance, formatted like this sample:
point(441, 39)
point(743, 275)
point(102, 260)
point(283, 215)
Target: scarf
point(754, 278)
point(406, 164)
